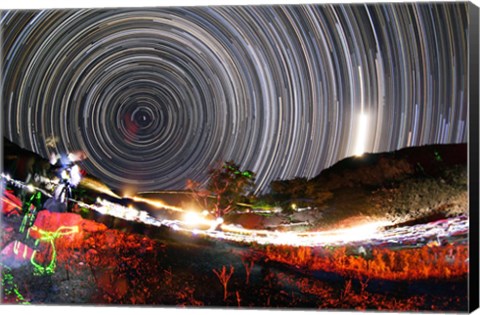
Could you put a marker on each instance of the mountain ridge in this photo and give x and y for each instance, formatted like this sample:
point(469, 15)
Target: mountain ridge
point(355, 170)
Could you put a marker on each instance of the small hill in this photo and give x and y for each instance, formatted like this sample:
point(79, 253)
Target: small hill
point(404, 185)
point(377, 169)
point(412, 184)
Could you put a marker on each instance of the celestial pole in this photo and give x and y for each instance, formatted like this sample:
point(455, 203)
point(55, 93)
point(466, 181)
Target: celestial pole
point(156, 96)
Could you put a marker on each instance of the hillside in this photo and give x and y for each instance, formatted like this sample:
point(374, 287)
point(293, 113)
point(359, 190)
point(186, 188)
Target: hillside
point(378, 169)
point(404, 185)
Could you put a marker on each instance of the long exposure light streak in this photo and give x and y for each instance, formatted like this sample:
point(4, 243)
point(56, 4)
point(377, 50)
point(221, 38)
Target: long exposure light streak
point(156, 96)
point(371, 233)
point(362, 136)
point(158, 203)
point(97, 186)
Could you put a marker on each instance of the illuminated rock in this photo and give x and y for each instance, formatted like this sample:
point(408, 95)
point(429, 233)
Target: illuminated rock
point(92, 226)
point(16, 254)
point(70, 225)
point(11, 205)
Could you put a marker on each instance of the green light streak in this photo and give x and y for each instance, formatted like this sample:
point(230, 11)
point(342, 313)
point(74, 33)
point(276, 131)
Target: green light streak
point(247, 174)
point(10, 287)
point(50, 237)
point(30, 213)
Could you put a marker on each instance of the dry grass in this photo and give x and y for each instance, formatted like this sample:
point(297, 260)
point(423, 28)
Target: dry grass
point(407, 264)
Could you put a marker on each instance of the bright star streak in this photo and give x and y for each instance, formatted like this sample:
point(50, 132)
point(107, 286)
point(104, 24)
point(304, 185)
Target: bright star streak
point(154, 95)
point(362, 135)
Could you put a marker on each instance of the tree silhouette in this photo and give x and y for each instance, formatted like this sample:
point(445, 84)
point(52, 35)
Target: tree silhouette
point(227, 186)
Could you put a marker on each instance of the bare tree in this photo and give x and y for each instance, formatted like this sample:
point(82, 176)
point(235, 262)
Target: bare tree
point(227, 186)
point(248, 264)
point(224, 277)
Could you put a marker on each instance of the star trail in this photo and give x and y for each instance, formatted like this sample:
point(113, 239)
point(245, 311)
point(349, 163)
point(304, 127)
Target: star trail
point(155, 96)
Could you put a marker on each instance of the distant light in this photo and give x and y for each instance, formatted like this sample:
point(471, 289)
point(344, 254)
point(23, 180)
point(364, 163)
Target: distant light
point(361, 135)
point(205, 213)
point(219, 220)
point(31, 188)
point(192, 218)
point(294, 206)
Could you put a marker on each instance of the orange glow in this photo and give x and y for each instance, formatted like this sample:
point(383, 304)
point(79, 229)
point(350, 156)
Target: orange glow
point(158, 203)
point(98, 187)
point(416, 263)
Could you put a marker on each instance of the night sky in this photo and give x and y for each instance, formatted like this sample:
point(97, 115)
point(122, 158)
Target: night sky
point(157, 96)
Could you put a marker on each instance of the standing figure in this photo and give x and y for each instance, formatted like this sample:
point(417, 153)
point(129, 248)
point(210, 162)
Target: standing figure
point(69, 177)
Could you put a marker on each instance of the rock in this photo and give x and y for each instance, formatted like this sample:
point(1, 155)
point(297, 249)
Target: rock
point(67, 228)
point(63, 227)
point(92, 226)
point(11, 205)
point(52, 221)
point(16, 254)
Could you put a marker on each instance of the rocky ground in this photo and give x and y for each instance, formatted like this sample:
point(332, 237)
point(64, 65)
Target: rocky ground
point(116, 262)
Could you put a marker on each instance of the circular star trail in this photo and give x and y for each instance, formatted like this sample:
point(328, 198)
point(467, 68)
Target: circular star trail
point(156, 96)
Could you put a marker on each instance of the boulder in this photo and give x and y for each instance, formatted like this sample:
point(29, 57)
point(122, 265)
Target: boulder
point(66, 228)
point(11, 205)
point(16, 254)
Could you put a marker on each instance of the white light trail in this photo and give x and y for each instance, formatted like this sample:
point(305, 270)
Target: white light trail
point(372, 233)
point(157, 203)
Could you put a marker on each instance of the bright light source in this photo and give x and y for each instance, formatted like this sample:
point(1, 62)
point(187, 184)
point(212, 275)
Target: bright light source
point(294, 206)
point(192, 218)
point(64, 174)
point(205, 213)
point(361, 135)
point(354, 233)
point(219, 220)
point(31, 188)
point(285, 238)
point(76, 176)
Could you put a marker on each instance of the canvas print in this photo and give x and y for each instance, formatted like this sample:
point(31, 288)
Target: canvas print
point(307, 156)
